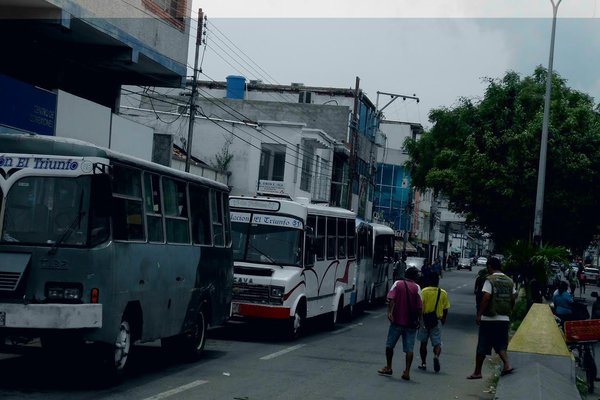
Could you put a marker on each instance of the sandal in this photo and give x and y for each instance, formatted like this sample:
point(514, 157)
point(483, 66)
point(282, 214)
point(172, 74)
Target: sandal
point(385, 371)
point(406, 377)
point(422, 367)
point(474, 376)
point(507, 371)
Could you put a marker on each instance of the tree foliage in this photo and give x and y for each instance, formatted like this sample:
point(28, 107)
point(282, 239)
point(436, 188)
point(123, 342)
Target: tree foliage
point(483, 156)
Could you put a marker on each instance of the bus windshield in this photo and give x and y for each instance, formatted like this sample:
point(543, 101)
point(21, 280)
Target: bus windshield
point(267, 244)
point(52, 211)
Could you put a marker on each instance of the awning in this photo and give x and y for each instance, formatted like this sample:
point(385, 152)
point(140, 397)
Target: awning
point(318, 138)
point(399, 246)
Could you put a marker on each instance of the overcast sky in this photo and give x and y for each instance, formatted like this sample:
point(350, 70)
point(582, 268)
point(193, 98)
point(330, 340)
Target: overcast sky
point(438, 50)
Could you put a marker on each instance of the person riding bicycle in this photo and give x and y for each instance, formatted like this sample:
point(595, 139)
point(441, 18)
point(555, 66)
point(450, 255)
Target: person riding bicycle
point(563, 302)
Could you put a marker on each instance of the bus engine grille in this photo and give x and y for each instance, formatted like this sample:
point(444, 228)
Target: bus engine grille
point(253, 294)
point(9, 280)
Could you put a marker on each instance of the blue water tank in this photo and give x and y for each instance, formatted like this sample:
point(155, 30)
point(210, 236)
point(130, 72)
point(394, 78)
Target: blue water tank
point(236, 86)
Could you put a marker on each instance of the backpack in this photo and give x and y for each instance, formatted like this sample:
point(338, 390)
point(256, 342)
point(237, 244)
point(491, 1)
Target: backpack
point(502, 296)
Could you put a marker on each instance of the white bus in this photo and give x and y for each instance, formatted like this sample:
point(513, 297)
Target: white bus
point(292, 260)
point(375, 256)
point(103, 247)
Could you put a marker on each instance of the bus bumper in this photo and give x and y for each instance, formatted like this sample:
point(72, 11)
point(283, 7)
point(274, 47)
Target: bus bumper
point(259, 311)
point(51, 316)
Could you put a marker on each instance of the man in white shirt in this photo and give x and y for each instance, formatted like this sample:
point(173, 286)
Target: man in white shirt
point(493, 318)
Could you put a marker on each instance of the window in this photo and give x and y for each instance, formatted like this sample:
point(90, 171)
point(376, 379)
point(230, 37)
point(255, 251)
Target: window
point(172, 11)
point(128, 223)
point(351, 235)
point(153, 208)
point(200, 214)
point(176, 211)
point(320, 238)
point(216, 208)
point(331, 238)
point(307, 169)
point(272, 162)
point(341, 225)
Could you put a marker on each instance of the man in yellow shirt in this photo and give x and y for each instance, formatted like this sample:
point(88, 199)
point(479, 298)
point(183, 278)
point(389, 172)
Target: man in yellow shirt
point(435, 301)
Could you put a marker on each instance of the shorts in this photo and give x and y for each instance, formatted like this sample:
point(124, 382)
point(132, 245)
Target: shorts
point(408, 337)
point(433, 334)
point(492, 334)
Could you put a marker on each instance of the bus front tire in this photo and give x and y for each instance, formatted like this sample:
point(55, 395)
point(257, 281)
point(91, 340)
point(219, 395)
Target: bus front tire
point(295, 325)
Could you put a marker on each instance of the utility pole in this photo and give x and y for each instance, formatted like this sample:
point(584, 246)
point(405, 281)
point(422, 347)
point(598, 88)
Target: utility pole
point(539, 198)
point(353, 144)
point(188, 158)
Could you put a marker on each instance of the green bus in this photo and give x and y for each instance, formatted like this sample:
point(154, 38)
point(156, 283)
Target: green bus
point(97, 246)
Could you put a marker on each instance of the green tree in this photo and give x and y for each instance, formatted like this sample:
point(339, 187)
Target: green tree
point(483, 155)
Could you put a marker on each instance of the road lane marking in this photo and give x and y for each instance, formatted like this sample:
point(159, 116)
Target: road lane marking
point(379, 315)
point(176, 390)
point(282, 352)
point(459, 287)
point(346, 329)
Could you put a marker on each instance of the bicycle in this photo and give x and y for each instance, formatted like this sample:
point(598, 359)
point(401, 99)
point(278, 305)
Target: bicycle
point(581, 335)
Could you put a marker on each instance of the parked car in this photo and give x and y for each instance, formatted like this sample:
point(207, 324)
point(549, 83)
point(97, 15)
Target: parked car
point(464, 263)
point(591, 274)
point(481, 261)
point(416, 262)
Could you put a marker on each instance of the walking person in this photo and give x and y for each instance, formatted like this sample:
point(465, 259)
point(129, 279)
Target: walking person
point(493, 318)
point(582, 281)
point(404, 312)
point(435, 312)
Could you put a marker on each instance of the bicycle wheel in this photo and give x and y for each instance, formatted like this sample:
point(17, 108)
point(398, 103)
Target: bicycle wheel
point(590, 367)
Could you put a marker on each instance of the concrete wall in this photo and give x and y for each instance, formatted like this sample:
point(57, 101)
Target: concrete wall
point(331, 119)
point(131, 138)
point(82, 119)
point(136, 24)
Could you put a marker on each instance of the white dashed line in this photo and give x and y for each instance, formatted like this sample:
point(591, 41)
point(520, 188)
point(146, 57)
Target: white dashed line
point(346, 329)
point(284, 351)
point(176, 390)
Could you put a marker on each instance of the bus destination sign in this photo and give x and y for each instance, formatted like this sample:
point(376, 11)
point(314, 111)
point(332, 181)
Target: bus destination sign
point(44, 163)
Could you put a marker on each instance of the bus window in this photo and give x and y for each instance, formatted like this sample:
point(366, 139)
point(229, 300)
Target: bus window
point(200, 214)
point(331, 238)
point(153, 208)
point(351, 236)
point(176, 221)
point(127, 204)
point(216, 208)
point(99, 210)
point(227, 218)
point(320, 238)
point(341, 225)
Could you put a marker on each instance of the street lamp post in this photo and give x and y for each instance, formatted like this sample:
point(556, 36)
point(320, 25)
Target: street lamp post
point(539, 199)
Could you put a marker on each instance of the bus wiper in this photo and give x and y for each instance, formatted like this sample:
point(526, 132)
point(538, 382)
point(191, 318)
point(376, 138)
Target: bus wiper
point(268, 257)
point(76, 223)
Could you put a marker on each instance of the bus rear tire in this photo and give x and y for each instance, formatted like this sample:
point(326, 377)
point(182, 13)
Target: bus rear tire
point(336, 315)
point(189, 345)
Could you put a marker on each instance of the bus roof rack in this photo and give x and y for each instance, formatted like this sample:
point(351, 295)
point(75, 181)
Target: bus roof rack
point(277, 195)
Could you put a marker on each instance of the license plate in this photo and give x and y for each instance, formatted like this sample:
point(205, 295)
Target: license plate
point(2, 318)
point(235, 308)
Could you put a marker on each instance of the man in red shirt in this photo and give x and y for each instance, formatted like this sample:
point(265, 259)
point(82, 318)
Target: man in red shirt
point(404, 312)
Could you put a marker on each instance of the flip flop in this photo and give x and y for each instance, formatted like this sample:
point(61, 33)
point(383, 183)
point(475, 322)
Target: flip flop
point(436, 364)
point(406, 377)
point(422, 367)
point(474, 377)
point(507, 371)
point(384, 371)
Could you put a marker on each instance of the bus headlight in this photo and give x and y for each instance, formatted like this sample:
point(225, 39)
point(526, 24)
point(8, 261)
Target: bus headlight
point(277, 292)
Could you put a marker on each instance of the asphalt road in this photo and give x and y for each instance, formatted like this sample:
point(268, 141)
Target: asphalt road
point(250, 362)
